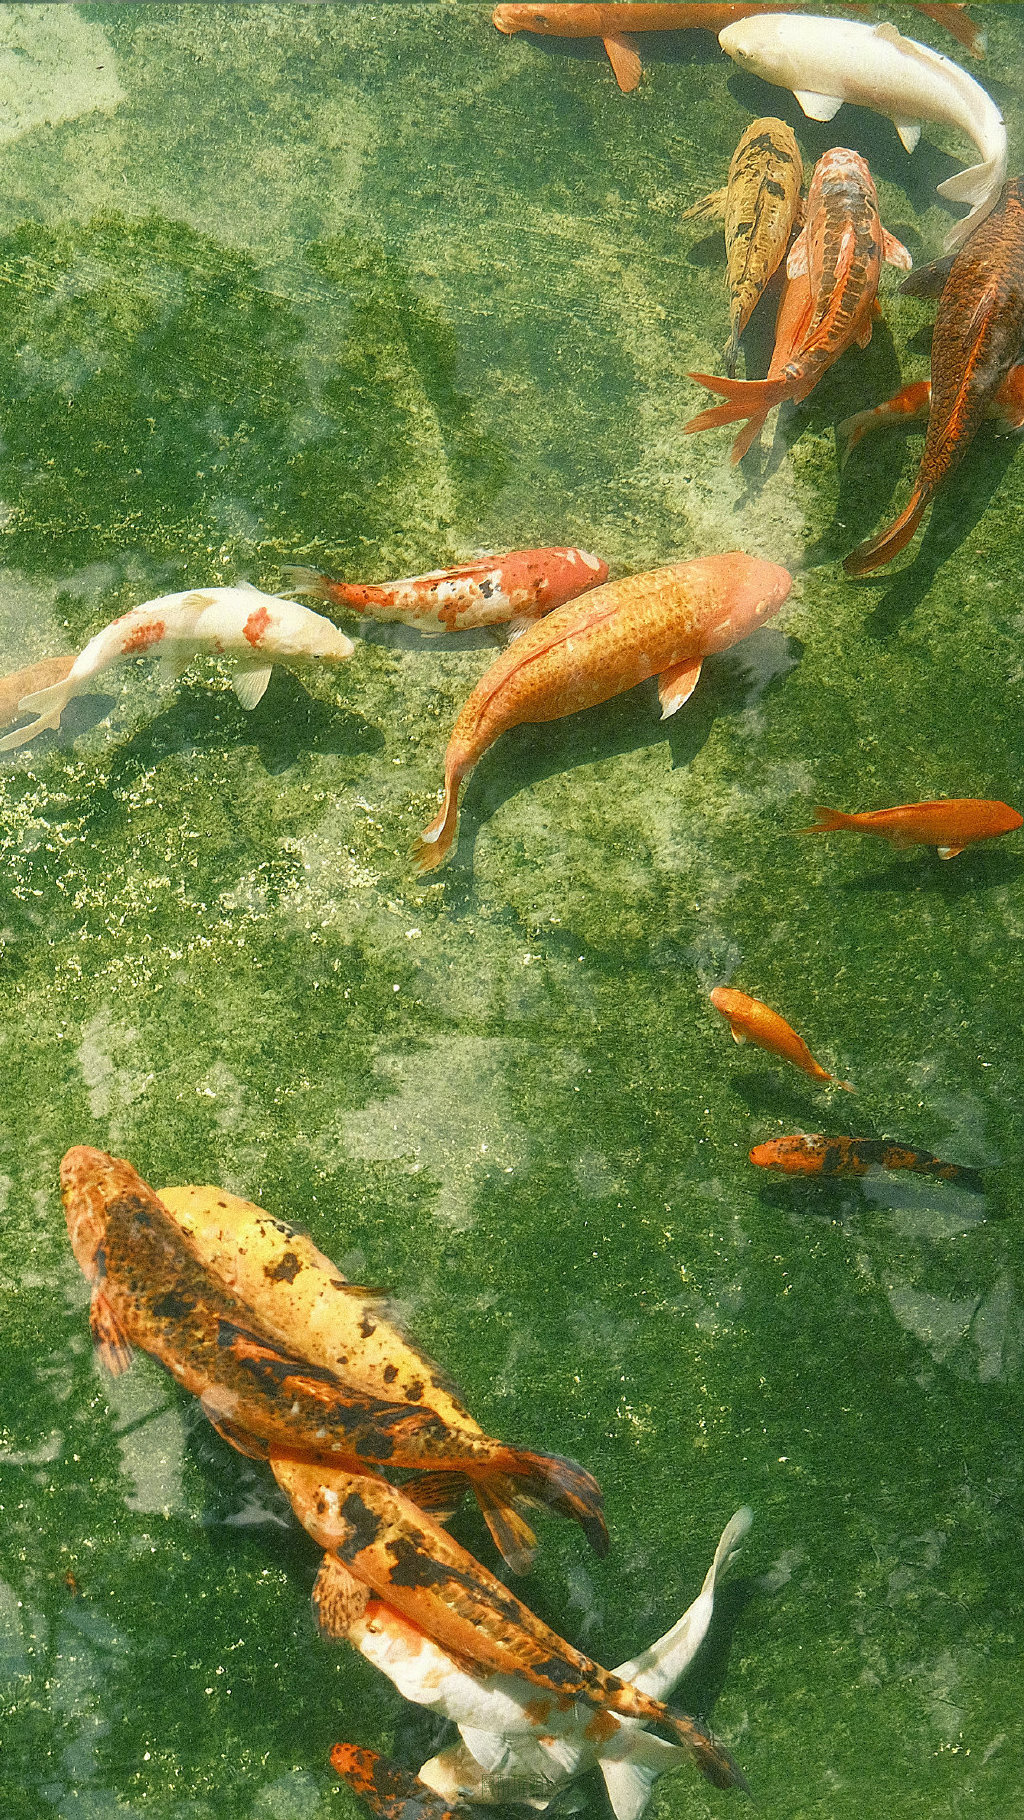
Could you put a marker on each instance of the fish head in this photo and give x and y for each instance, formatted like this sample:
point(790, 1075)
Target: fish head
point(89, 1180)
point(742, 593)
point(291, 633)
point(766, 46)
point(511, 19)
point(727, 1000)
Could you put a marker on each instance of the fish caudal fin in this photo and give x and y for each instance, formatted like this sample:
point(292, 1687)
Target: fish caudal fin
point(828, 821)
point(980, 185)
point(563, 1486)
point(744, 398)
point(307, 581)
point(430, 849)
point(500, 1506)
point(48, 704)
point(710, 1757)
point(877, 551)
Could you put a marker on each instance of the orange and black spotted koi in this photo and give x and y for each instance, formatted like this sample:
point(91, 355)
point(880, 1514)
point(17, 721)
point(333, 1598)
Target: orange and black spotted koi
point(841, 248)
point(394, 1793)
point(831, 1157)
point(979, 328)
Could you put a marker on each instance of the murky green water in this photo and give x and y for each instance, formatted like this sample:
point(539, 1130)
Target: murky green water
point(372, 286)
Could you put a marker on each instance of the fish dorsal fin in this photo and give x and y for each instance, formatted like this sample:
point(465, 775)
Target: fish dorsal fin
point(338, 1598)
point(111, 1343)
point(250, 685)
point(248, 587)
point(818, 107)
point(676, 685)
point(909, 132)
point(625, 61)
point(892, 35)
point(895, 253)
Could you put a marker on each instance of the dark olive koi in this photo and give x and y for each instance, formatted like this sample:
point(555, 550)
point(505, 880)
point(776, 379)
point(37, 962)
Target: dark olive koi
point(829, 1157)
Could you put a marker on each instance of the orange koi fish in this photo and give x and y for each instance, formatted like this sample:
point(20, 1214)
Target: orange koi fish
point(795, 309)
point(515, 588)
point(979, 328)
point(43, 675)
point(849, 1156)
point(612, 24)
point(751, 1021)
point(304, 1303)
point(950, 824)
point(660, 624)
point(958, 22)
point(416, 1567)
point(914, 401)
point(394, 1793)
point(150, 1289)
point(841, 248)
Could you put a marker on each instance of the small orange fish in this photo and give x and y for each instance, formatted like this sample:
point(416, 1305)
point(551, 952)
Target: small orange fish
point(662, 624)
point(416, 1567)
point(950, 824)
point(395, 1794)
point(751, 1021)
point(914, 402)
point(515, 588)
point(848, 1156)
point(841, 247)
point(958, 22)
point(25, 682)
point(612, 24)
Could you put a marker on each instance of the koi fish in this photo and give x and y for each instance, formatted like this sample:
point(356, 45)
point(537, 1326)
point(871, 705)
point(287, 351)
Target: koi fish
point(796, 306)
point(914, 402)
point(515, 588)
point(958, 22)
point(660, 624)
point(259, 630)
point(413, 1564)
point(841, 248)
point(150, 1289)
point(979, 327)
point(22, 682)
point(849, 1156)
point(950, 824)
point(828, 61)
point(751, 1021)
point(612, 24)
point(759, 205)
point(304, 1303)
point(388, 1790)
point(518, 1747)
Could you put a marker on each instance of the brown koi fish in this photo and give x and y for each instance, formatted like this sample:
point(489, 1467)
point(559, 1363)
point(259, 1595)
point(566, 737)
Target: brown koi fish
point(25, 682)
point(950, 824)
point(512, 589)
point(150, 1289)
point(395, 1794)
point(841, 248)
point(979, 328)
point(759, 204)
point(304, 1303)
point(660, 624)
point(751, 1021)
point(848, 1156)
point(415, 1566)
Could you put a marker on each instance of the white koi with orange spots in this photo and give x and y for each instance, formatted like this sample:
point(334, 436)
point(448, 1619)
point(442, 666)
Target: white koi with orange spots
point(256, 630)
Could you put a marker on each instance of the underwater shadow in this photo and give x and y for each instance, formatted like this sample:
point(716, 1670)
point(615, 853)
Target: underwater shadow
point(951, 880)
point(701, 1687)
point(859, 379)
point(767, 1093)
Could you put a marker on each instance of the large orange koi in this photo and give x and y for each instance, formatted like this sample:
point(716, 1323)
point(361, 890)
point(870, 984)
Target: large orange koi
point(841, 248)
point(415, 1566)
point(979, 328)
point(662, 624)
point(511, 589)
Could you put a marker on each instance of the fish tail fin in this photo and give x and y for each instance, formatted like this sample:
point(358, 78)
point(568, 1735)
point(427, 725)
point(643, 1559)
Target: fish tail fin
point(432, 845)
point(744, 398)
point(828, 821)
point(877, 551)
point(748, 436)
point(302, 580)
point(979, 185)
point(48, 705)
point(565, 1487)
point(501, 1507)
point(629, 1780)
point(710, 1757)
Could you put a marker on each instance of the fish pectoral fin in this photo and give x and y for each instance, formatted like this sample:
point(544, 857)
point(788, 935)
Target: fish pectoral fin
point(250, 684)
point(172, 663)
point(518, 624)
point(239, 1438)
point(737, 1035)
point(909, 132)
point(818, 107)
point(629, 1784)
point(676, 685)
point(796, 264)
point(625, 61)
point(949, 852)
point(338, 1598)
point(489, 1749)
point(710, 208)
point(895, 253)
point(111, 1344)
point(863, 335)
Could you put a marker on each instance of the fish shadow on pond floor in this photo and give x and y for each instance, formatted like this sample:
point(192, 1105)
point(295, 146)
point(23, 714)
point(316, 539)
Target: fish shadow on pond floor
point(767, 1092)
point(950, 879)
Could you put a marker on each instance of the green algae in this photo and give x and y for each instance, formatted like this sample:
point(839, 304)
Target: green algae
point(373, 286)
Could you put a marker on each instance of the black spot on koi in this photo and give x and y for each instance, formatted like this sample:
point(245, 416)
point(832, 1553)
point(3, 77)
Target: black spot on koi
point(173, 1306)
point(285, 1270)
point(363, 1523)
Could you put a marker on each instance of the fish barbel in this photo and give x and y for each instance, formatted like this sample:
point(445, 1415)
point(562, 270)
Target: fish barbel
point(752, 1021)
point(759, 204)
point(950, 824)
point(414, 1565)
point(303, 1302)
point(663, 623)
point(830, 1157)
point(979, 329)
point(150, 1289)
point(511, 589)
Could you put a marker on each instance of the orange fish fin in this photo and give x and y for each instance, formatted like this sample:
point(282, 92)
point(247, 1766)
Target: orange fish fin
point(111, 1343)
point(625, 60)
point(677, 683)
point(512, 1535)
point(338, 1598)
point(565, 1487)
point(863, 335)
point(895, 253)
point(239, 1438)
point(747, 437)
point(949, 852)
point(828, 821)
point(1008, 404)
point(877, 551)
point(439, 1493)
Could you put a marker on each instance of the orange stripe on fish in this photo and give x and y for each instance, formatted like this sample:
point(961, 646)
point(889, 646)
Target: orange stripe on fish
point(517, 586)
point(950, 823)
point(830, 1157)
point(752, 1021)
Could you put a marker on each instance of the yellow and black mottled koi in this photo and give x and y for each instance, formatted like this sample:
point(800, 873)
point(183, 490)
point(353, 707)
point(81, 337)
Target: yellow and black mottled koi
point(979, 328)
point(830, 1157)
point(394, 1793)
point(760, 203)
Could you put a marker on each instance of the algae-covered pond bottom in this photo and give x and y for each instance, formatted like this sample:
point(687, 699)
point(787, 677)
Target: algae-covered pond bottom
point(370, 287)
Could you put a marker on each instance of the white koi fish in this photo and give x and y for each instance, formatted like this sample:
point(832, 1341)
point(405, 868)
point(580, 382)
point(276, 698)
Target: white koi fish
point(258, 630)
point(828, 61)
point(519, 1743)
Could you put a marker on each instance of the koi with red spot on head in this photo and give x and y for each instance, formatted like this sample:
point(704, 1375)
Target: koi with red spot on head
point(511, 589)
point(752, 1021)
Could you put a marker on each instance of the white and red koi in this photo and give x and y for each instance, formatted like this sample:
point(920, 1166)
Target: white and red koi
point(510, 589)
point(841, 249)
point(256, 630)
